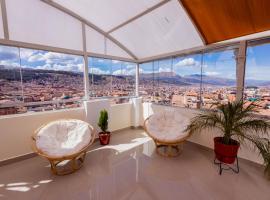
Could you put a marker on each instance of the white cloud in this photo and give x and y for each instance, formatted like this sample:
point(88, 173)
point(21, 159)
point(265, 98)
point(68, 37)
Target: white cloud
point(187, 62)
point(9, 63)
point(26, 53)
point(165, 69)
point(100, 60)
point(36, 57)
point(124, 72)
point(96, 70)
point(115, 61)
point(211, 73)
point(53, 58)
point(57, 67)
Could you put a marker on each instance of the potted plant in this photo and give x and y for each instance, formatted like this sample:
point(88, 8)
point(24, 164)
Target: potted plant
point(104, 135)
point(238, 124)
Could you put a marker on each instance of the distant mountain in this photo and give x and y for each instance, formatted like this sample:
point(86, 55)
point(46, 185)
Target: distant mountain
point(213, 80)
point(251, 82)
point(172, 78)
point(11, 73)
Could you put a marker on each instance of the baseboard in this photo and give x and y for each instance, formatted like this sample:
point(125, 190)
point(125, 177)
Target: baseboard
point(17, 159)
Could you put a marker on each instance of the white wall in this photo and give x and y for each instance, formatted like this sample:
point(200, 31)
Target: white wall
point(206, 137)
point(16, 130)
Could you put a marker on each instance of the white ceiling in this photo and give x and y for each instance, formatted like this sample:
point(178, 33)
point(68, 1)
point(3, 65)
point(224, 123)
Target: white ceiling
point(131, 29)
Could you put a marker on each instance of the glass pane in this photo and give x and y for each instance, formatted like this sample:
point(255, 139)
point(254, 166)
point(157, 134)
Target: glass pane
point(10, 81)
point(218, 77)
point(186, 81)
point(123, 80)
point(51, 77)
point(257, 78)
point(146, 81)
point(100, 77)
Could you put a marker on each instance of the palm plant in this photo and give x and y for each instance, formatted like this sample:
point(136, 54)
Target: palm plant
point(237, 122)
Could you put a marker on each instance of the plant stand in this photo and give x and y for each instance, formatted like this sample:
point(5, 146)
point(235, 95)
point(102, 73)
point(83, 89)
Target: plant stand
point(235, 169)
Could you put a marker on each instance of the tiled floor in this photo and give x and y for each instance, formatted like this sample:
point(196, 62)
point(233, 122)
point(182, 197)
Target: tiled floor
point(129, 168)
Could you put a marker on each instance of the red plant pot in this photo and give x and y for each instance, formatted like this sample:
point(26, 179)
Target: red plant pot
point(224, 152)
point(104, 138)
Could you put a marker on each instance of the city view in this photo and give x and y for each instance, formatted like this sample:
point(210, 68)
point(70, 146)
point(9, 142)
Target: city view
point(33, 80)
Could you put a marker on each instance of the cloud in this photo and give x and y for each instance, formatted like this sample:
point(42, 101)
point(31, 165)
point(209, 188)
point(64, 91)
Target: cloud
point(115, 61)
point(36, 57)
point(9, 63)
point(125, 72)
point(101, 60)
point(96, 70)
point(26, 53)
point(187, 62)
point(212, 73)
point(9, 53)
point(165, 69)
point(53, 58)
point(57, 67)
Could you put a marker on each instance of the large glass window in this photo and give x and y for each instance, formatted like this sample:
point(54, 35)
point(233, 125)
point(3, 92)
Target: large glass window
point(146, 81)
point(173, 81)
point(218, 77)
point(257, 78)
point(11, 91)
point(111, 78)
point(187, 78)
point(34, 80)
point(191, 81)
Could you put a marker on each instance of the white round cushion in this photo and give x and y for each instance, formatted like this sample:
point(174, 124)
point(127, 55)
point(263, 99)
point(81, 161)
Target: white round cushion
point(167, 126)
point(63, 137)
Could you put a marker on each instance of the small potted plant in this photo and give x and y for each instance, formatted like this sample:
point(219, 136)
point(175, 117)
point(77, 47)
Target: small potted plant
point(238, 124)
point(104, 135)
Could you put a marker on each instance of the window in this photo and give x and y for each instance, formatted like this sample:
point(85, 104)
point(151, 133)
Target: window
point(146, 81)
point(11, 91)
point(257, 83)
point(172, 81)
point(41, 80)
point(154, 81)
point(191, 81)
point(218, 77)
point(111, 78)
point(187, 78)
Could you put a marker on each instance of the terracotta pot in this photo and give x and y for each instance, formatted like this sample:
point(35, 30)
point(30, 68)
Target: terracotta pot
point(224, 152)
point(104, 138)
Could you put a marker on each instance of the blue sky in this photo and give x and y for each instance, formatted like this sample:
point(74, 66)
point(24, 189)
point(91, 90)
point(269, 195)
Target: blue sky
point(219, 64)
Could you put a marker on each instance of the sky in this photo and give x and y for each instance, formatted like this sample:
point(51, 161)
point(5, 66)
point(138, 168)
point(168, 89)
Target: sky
point(218, 64)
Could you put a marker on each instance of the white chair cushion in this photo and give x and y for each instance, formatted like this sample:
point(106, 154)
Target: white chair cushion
point(167, 126)
point(63, 137)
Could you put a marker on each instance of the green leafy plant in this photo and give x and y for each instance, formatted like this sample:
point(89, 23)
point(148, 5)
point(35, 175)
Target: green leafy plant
point(236, 121)
point(103, 120)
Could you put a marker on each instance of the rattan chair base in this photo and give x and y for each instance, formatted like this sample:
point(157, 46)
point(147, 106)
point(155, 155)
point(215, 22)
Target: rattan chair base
point(70, 166)
point(169, 150)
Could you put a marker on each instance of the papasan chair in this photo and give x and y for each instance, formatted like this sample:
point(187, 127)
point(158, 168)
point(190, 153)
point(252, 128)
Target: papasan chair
point(64, 143)
point(167, 129)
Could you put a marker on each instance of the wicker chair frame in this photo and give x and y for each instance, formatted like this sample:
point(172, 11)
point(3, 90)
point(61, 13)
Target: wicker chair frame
point(171, 149)
point(75, 160)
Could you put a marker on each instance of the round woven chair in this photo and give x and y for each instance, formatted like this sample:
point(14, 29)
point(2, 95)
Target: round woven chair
point(167, 129)
point(64, 143)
